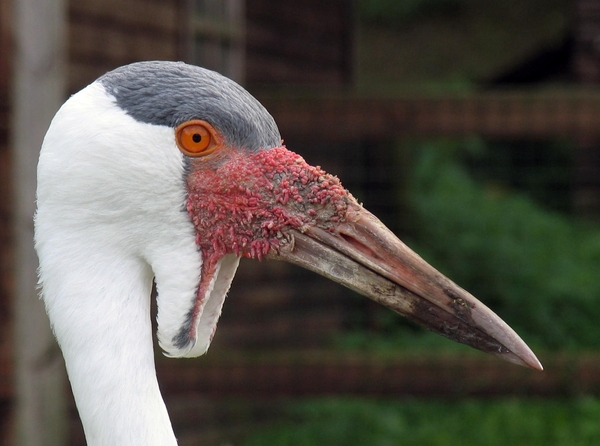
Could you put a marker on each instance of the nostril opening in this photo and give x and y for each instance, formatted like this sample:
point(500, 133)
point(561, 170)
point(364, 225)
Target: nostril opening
point(356, 244)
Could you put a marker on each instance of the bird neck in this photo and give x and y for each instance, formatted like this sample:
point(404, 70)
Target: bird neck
point(101, 317)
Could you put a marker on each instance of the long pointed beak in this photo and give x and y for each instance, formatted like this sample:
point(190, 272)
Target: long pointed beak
point(364, 255)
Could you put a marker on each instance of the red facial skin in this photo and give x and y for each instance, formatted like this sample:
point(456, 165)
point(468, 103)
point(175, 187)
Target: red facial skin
point(242, 203)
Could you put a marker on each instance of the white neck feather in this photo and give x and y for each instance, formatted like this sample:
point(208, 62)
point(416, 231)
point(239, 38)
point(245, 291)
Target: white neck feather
point(111, 214)
point(101, 315)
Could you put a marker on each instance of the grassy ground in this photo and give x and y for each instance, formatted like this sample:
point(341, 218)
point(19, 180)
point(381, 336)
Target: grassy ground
point(351, 422)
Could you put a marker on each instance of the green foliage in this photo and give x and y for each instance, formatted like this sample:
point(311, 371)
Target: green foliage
point(351, 422)
point(537, 269)
point(541, 169)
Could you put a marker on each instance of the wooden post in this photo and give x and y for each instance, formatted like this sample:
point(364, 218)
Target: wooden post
point(39, 89)
point(586, 68)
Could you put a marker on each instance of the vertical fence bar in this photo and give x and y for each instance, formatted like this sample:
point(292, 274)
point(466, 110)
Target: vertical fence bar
point(39, 81)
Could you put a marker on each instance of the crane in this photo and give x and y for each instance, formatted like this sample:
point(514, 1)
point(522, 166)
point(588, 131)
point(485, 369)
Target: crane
point(170, 172)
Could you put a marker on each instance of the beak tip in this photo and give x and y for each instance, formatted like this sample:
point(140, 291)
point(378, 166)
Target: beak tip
point(534, 363)
point(525, 358)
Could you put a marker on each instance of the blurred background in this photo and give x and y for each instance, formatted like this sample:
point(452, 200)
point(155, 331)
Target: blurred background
point(472, 129)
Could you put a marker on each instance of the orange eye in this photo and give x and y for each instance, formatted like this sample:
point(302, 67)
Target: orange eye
point(196, 138)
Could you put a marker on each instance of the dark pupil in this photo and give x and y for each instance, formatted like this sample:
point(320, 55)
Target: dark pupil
point(197, 137)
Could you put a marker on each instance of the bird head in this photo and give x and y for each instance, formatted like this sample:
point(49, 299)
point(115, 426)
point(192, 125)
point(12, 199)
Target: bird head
point(194, 169)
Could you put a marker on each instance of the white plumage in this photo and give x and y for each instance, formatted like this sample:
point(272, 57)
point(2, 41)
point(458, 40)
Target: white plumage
point(96, 244)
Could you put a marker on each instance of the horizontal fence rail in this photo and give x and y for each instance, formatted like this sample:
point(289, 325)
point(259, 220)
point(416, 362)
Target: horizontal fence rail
point(495, 114)
point(305, 374)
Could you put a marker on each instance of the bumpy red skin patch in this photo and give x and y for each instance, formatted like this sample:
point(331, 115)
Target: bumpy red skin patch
point(243, 202)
